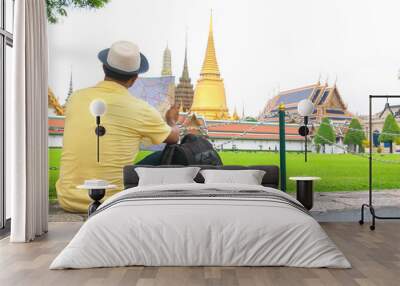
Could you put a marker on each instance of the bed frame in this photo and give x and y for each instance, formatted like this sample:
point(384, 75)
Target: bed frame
point(270, 179)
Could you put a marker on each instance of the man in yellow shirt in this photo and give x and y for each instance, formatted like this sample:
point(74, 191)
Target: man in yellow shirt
point(127, 121)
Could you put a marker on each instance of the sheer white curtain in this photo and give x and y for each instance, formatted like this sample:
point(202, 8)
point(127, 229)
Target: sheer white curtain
point(26, 123)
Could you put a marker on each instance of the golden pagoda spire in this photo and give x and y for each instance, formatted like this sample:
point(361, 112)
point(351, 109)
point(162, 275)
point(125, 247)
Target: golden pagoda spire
point(209, 96)
point(210, 64)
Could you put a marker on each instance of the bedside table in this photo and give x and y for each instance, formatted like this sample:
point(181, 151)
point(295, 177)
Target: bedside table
point(96, 193)
point(304, 190)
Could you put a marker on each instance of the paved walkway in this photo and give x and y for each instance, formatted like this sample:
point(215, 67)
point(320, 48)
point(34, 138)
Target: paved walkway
point(330, 206)
point(57, 214)
point(353, 200)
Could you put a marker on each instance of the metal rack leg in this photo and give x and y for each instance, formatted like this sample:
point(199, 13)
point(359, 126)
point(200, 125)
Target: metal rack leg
point(370, 206)
point(372, 211)
point(374, 216)
point(361, 221)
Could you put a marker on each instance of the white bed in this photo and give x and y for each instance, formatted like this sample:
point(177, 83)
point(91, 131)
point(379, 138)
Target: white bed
point(267, 229)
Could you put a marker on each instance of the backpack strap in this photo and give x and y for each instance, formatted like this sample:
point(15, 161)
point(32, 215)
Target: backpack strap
point(167, 154)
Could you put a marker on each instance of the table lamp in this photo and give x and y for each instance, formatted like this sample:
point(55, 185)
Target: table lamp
point(305, 109)
point(98, 108)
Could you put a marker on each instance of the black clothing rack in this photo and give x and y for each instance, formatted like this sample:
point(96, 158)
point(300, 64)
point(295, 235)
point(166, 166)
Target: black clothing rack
point(370, 203)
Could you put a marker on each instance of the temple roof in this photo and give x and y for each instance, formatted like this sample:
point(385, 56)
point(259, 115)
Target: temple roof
point(253, 136)
point(248, 131)
point(291, 98)
point(317, 93)
point(56, 125)
point(213, 129)
point(250, 128)
point(391, 109)
point(210, 64)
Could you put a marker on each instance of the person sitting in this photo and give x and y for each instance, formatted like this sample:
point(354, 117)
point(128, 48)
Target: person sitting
point(127, 121)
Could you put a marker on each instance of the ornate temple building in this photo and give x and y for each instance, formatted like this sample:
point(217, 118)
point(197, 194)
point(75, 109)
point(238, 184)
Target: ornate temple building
point(209, 95)
point(240, 135)
point(166, 68)
point(327, 102)
point(378, 120)
point(184, 90)
point(55, 120)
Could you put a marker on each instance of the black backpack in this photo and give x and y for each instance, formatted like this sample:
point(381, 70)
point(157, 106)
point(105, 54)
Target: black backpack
point(193, 150)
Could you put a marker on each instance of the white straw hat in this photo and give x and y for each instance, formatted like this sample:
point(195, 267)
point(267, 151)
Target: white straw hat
point(124, 58)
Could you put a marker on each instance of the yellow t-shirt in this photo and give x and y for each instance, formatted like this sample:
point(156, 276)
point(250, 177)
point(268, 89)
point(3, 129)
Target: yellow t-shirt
point(127, 121)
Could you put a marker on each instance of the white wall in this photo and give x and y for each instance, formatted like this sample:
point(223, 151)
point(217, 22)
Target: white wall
point(258, 145)
point(55, 140)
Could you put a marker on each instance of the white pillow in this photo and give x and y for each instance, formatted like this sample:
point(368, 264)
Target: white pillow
point(248, 177)
point(166, 176)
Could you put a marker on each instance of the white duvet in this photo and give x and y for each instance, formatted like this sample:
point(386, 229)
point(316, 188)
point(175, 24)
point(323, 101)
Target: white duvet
point(202, 231)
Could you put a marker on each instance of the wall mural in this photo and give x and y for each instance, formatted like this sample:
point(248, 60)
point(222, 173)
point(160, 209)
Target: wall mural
point(230, 70)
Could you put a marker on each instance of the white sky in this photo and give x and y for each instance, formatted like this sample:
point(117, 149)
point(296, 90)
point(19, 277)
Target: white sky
point(261, 45)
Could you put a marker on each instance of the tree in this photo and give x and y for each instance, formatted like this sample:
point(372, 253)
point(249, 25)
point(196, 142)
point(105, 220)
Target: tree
point(57, 8)
point(390, 131)
point(325, 134)
point(355, 135)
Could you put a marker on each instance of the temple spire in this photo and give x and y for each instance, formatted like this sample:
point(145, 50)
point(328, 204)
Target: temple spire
point(235, 115)
point(166, 69)
point(185, 72)
point(209, 97)
point(70, 89)
point(71, 86)
point(210, 65)
point(184, 90)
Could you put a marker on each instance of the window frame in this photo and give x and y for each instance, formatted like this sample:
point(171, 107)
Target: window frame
point(6, 39)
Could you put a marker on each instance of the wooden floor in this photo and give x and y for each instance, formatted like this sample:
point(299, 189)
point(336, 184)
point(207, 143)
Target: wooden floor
point(375, 257)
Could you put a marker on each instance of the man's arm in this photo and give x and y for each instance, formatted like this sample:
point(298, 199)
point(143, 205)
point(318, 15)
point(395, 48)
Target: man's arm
point(173, 137)
point(171, 117)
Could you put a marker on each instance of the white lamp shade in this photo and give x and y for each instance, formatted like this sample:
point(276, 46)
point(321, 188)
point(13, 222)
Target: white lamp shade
point(305, 107)
point(98, 107)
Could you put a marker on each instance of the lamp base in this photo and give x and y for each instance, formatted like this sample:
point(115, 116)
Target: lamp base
point(96, 195)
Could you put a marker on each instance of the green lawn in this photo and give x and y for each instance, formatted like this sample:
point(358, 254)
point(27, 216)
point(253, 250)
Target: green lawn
point(339, 172)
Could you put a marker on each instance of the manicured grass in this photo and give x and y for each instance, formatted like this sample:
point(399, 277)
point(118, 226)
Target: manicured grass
point(339, 172)
point(54, 164)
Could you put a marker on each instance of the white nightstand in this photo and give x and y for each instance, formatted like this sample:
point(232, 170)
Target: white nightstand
point(96, 193)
